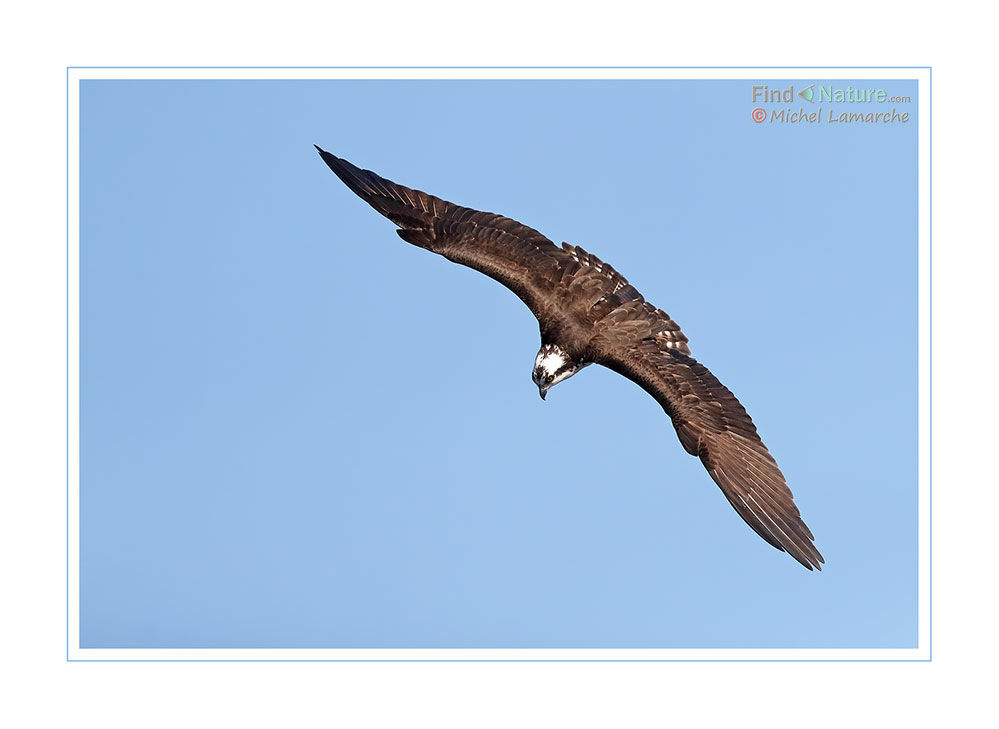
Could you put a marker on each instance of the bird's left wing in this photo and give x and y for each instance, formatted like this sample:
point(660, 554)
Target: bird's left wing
point(519, 257)
point(714, 426)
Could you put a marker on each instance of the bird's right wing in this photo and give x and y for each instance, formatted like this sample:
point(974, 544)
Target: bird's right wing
point(714, 426)
point(519, 257)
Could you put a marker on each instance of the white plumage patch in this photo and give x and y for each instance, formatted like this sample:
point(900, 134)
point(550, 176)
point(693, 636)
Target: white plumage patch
point(551, 360)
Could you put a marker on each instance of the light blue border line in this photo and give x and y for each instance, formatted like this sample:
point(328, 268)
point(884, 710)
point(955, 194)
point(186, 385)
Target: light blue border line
point(496, 660)
point(929, 405)
point(503, 68)
point(67, 362)
point(929, 659)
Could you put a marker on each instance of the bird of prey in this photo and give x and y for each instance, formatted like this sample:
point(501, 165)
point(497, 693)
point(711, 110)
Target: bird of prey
point(588, 312)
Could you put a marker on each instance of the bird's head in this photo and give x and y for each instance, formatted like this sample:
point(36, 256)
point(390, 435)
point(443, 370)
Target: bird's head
point(551, 366)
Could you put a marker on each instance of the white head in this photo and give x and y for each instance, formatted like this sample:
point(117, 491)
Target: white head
point(551, 366)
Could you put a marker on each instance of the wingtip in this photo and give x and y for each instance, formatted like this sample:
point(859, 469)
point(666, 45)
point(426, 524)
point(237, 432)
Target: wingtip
point(331, 160)
point(814, 563)
point(328, 158)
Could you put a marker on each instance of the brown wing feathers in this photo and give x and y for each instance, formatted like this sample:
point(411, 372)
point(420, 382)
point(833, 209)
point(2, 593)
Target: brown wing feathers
point(713, 425)
point(409, 209)
point(519, 257)
point(418, 211)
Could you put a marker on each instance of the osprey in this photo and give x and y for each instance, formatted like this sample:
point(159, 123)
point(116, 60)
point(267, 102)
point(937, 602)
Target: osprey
point(588, 313)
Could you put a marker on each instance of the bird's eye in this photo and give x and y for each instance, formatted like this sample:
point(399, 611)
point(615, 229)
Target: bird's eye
point(549, 378)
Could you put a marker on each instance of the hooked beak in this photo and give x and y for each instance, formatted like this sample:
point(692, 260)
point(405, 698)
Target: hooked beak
point(542, 391)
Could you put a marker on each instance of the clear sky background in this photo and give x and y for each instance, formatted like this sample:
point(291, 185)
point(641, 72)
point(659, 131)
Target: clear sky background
point(299, 431)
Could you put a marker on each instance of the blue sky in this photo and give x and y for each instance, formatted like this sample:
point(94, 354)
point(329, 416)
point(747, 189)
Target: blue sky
point(299, 431)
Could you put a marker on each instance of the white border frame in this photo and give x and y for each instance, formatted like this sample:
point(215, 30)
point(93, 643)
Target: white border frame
point(922, 652)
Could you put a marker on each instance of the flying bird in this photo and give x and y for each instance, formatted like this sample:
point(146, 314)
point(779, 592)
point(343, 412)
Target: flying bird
point(589, 313)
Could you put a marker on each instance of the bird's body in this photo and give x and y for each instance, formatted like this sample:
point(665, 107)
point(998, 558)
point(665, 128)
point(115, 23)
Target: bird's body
point(589, 313)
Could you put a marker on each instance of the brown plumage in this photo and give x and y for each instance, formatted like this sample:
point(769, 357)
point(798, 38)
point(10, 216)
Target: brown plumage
point(588, 313)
